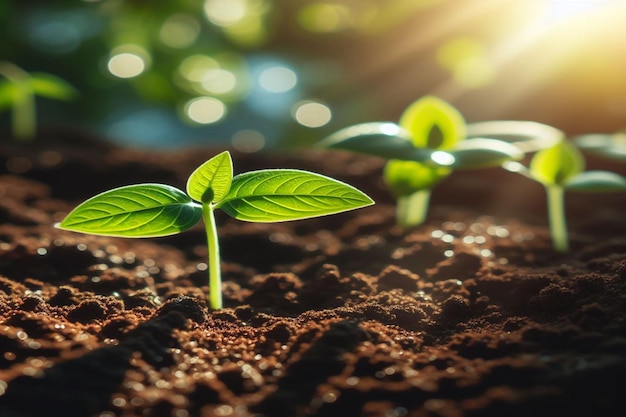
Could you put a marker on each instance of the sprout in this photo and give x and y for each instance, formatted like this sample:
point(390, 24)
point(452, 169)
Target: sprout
point(560, 168)
point(151, 210)
point(18, 92)
point(427, 145)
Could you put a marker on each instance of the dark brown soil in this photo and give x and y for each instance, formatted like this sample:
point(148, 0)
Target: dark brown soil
point(470, 314)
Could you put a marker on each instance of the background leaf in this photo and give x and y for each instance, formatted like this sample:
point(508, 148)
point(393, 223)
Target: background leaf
point(381, 139)
point(143, 210)
point(433, 123)
point(483, 153)
point(611, 146)
point(406, 177)
point(50, 86)
point(211, 181)
point(527, 136)
point(286, 194)
point(596, 181)
point(556, 165)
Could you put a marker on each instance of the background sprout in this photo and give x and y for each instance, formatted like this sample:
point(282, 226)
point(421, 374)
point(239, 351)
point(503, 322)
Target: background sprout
point(273, 195)
point(18, 91)
point(560, 168)
point(427, 145)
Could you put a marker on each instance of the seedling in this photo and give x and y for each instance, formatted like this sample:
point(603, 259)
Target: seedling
point(560, 168)
point(273, 195)
point(427, 145)
point(18, 91)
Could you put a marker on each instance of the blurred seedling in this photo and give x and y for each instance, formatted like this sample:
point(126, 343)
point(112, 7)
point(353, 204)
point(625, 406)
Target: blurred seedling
point(17, 92)
point(560, 168)
point(610, 146)
point(273, 195)
point(429, 143)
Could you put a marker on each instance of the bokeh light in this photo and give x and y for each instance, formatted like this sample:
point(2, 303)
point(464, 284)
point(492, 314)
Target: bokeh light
point(225, 12)
point(278, 79)
point(311, 113)
point(205, 110)
point(128, 61)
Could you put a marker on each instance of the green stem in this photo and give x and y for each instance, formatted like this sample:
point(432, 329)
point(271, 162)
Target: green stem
point(411, 210)
point(23, 110)
point(23, 117)
point(213, 246)
point(556, 216)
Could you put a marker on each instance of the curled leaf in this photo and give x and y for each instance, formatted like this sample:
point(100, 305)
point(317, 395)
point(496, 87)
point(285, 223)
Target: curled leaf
point(433, 123)
point(406, 177)
point(558, 164)
point(286, 194)
point(210, 182)
point(143, 210)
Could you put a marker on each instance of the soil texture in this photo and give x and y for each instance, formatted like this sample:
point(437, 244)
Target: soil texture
point(470, 314)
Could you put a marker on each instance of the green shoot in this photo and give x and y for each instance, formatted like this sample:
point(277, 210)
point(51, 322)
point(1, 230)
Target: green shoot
point(560, 168)
point(18, 91)
point(427, 145)
point(151, 210)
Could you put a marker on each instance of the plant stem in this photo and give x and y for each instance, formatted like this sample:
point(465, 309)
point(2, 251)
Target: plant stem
point(23, 116)
point(556, 217)
point(213, 246)
point(411, 210)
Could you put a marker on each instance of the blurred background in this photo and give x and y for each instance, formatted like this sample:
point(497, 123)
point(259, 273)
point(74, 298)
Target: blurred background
point(261, 74)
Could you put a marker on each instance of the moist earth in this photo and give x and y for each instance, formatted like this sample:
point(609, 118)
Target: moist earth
point(470, 314)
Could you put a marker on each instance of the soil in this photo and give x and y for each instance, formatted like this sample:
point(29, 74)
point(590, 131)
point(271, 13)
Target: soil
point(469, 314)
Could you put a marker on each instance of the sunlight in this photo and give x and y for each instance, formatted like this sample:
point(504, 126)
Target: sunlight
point(559, 10)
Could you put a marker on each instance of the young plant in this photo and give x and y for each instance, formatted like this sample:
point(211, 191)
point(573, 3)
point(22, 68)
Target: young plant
point(560, 168)
point(424, 148)
point(18, 91)
point(273, 195)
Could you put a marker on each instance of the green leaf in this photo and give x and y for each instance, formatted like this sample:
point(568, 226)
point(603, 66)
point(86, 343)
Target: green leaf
point(596, 181)
point(608, 146)
point(287, 194)
point(433, 123)
point(210, 182)
point(527, 136)
point(482, 153)
point(406, 177)
point(384, 140)
point(143, 210)
point(558, 164)
point(50, 86)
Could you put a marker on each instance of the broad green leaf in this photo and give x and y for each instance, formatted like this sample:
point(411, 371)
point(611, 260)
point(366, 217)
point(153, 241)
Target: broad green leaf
point(433, 123)
point(406, 177)
point(50, 86)
point(210, 182)
point(596, 181)
point(482, 153)
point(143, 210)
point(527, 136)
point(384, 140)
point(558, 164)
point(285, 194)
point(608, 146)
